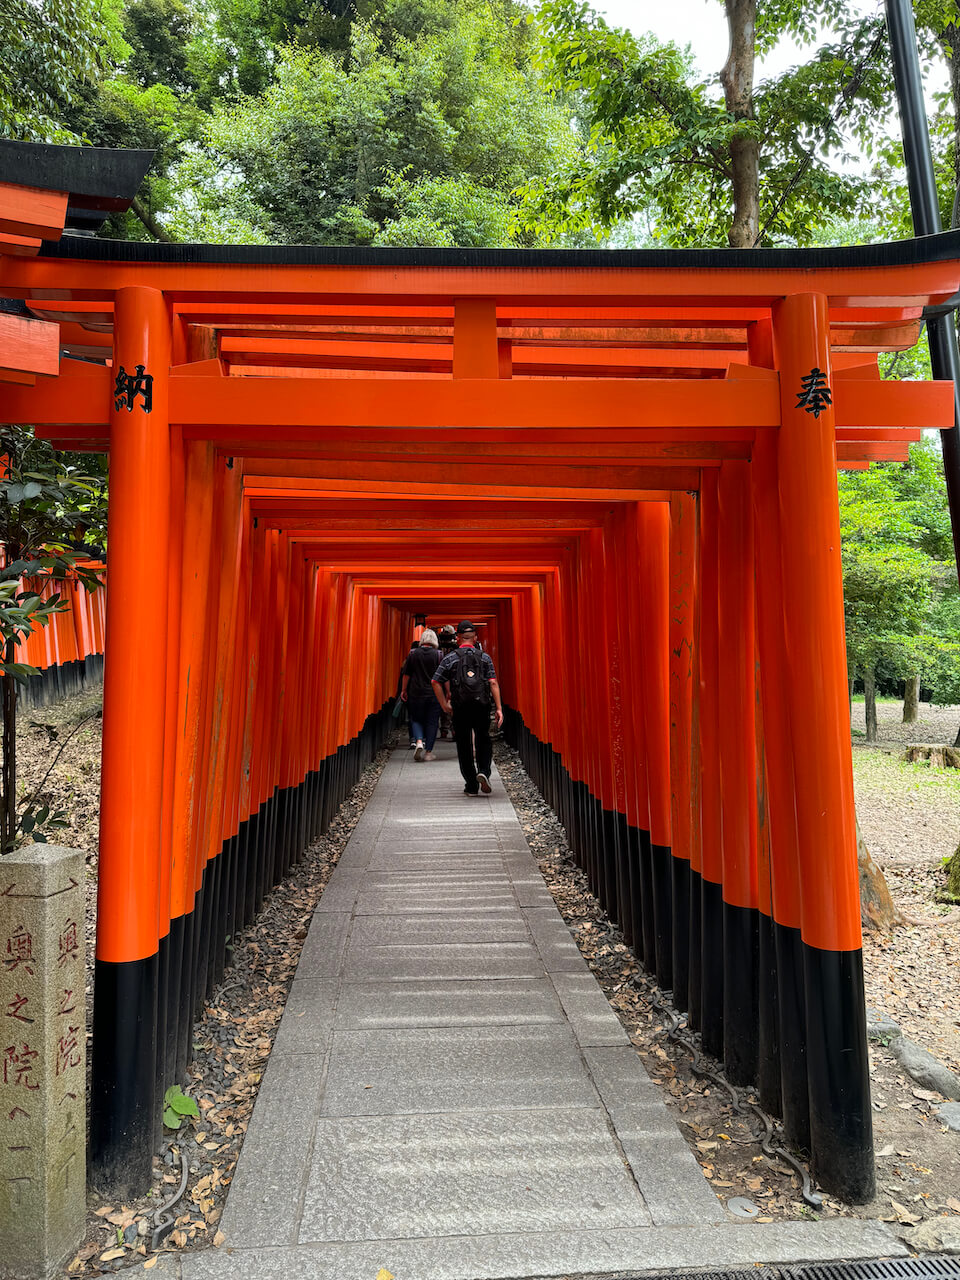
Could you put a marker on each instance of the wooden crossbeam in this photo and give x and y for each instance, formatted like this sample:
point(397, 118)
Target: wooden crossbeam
point(912, 285)
point(438, 357)
point(28, 346)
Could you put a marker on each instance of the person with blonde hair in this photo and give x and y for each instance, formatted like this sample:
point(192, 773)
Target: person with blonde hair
point(416, 690)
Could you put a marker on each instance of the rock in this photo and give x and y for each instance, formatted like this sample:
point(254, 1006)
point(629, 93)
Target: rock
point(949, 1114)
point(131, 1233)
point(925, 1069)
point(880, 1026)
point(936, 1235)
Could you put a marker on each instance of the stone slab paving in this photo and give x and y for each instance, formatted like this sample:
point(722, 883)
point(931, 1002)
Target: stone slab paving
point(450, 1096)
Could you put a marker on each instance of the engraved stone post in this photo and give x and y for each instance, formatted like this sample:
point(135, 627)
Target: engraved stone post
point(42, 1068)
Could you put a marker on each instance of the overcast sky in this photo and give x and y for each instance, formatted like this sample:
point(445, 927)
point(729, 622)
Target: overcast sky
point(699, 22)
point(702, 24)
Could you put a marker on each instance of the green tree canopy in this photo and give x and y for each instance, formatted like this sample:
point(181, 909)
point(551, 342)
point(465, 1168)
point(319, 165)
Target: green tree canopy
point(419, 132)
point(900, 585)
point(48, 50)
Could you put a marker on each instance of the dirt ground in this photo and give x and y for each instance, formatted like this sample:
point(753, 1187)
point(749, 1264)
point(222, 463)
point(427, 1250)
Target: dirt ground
point(910, 816)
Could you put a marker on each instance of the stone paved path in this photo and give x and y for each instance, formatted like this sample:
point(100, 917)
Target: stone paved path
point(450, 1097)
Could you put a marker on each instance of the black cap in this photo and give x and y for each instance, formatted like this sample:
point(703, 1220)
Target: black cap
point(465, 626)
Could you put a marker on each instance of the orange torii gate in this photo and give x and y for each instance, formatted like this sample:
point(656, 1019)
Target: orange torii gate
point(623, 463)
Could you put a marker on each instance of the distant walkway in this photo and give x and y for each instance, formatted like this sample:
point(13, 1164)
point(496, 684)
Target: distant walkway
point(450, 1097)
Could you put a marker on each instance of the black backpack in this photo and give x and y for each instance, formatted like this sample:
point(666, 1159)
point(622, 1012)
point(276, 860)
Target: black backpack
point(469, 683)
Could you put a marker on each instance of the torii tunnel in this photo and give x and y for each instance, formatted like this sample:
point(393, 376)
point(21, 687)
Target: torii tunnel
point(622, 463)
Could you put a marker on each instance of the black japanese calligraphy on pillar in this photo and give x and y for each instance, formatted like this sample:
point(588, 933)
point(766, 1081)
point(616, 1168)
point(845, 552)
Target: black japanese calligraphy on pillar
point(130, 385)
point(814, 395)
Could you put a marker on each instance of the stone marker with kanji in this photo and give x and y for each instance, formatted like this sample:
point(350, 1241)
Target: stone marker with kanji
point(42, 1069)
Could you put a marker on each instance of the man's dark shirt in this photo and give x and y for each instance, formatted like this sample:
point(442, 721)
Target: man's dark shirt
point(447, 668)
point(421, 665)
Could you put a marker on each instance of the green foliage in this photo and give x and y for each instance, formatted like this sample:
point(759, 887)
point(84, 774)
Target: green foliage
point(176, 1105)
point(654, 136)
point(899, 579)
point(52, 517)
point(39, 823)
point(49, 49)
point(159, 33)
point(444, 212)
point(400, 139)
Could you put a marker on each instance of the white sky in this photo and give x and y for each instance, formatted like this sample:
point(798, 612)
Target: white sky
point(700, 22)
point(703, 25)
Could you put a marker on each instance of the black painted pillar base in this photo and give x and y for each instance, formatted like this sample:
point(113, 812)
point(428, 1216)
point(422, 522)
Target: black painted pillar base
point(168, 1048)
point(164, 979)
point(791, 1009)
point(740, 1014)
point(188, 976)
point(841, 1121)
point(711, 977)
point(695, 974)
point(648, 920)
point(768, 1043)
point(123, 1096)
point(660, 859)
point(608, 860)
point(624, 890)
point(680, 893)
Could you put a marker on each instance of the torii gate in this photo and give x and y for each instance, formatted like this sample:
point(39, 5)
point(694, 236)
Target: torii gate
point(310, 446)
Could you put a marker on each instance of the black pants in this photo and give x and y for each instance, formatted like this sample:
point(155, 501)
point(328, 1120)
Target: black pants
point(471, 720)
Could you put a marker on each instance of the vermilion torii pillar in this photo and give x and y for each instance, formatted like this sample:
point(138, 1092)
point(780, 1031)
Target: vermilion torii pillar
point(812, 584)
point(134, 700)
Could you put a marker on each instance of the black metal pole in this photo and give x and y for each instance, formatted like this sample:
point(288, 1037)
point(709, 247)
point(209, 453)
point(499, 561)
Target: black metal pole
point(925, 207)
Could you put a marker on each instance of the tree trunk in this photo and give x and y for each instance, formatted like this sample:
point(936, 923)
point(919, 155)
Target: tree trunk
point(8, 777)
point(850, 700)
point(870, 704)
point(939, 756)
point(737, 80)
point(877, 908)
point(911, 699)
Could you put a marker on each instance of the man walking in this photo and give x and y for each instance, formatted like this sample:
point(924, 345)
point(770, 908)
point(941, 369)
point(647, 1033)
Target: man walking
point(464, 682)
